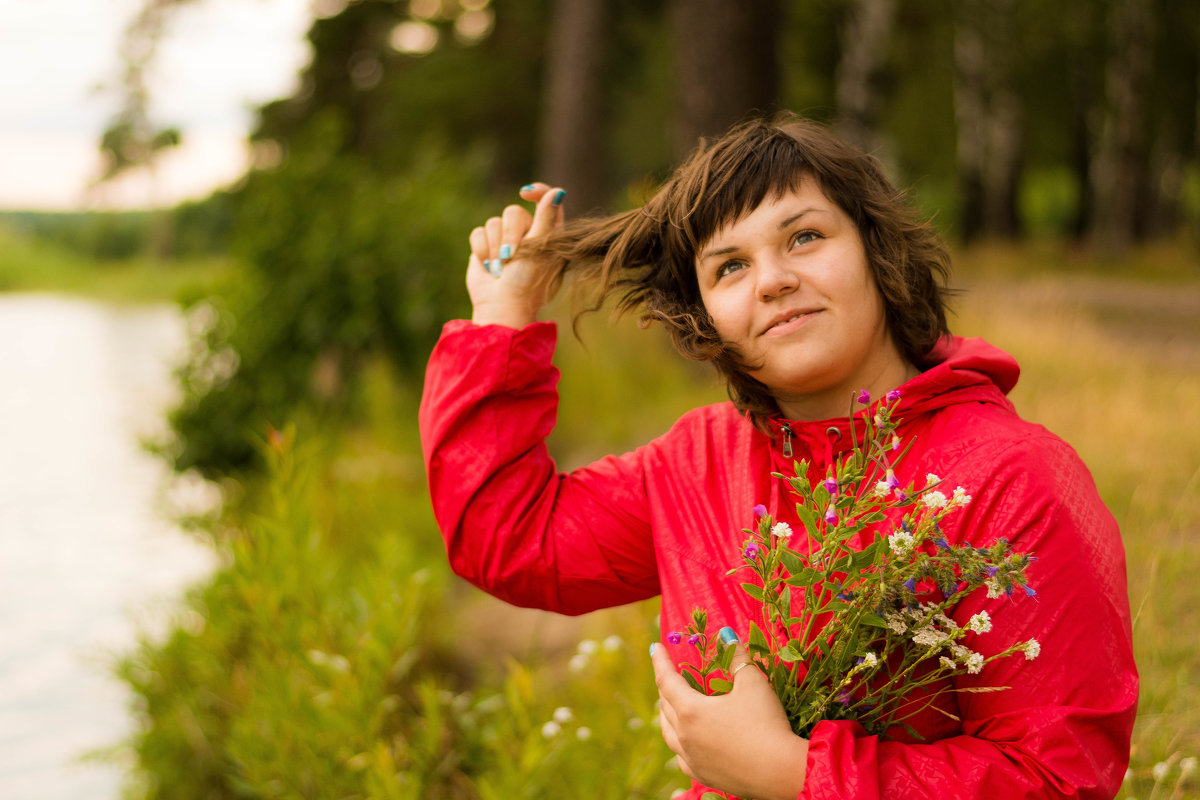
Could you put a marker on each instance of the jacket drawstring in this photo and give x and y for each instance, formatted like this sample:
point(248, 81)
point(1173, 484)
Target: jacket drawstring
point(832, 434)
point(787, 439)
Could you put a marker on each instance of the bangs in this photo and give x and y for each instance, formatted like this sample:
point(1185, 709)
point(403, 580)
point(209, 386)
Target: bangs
point(732, 179)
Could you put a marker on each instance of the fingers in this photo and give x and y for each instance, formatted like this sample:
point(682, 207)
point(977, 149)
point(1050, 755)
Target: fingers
point(497, 240)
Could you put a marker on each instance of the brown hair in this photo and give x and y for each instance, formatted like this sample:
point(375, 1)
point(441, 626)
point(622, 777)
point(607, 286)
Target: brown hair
point(646, 257)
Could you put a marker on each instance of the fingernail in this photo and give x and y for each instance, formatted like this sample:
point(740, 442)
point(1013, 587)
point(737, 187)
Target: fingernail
point(529, 187)
point(558, 197)
point(505, 252)
point(652, 646)
point(728, 636)
point(494, 268)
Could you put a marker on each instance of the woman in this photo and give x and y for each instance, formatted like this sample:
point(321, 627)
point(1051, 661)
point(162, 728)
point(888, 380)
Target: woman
point(784, 256)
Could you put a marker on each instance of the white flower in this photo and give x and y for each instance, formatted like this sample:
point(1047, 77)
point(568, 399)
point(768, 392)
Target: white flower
point(932, 479)
point(895, 622)
point(613, 643)
point(1187, 766)
point(934, 500)
point(1033, 649)
point(782, 530)
point(948, 663)
point(945, 621)
point(578, 663)
point(960, 497)
point(583, 733)
point(929, 637)
point(901, 543)
point(994, 590)
point(1160, 770)
point(974, 663)
point(551, 729)
point(980, 623)
point(587, 647)
point(870, 659)
point(882, 489)
point(562, 715)
point(959, 652)
point(635, 723)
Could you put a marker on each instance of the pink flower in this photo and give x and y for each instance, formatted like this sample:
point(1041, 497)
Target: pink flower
point(831, 514)
point(831, 486)
point(760, 510)
point(864, 397)
point(893, 395)
point(751, 550)
point(674, 637)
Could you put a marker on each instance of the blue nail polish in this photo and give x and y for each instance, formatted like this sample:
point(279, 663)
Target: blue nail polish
point(652, 646)
point(558, 197)
point(494, 268)
point(505, 252)
point(529, 187)
point(728, 636)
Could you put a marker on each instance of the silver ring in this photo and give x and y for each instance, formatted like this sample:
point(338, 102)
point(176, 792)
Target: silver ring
point(738, 669)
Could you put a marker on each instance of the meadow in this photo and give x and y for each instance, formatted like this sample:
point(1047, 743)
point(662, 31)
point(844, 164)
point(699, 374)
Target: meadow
point(333, 655)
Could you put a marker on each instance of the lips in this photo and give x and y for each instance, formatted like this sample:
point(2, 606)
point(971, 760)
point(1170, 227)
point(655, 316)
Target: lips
point(786, 317)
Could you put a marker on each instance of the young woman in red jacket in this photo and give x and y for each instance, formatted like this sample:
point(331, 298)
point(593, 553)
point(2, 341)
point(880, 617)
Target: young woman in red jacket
point(785, 257)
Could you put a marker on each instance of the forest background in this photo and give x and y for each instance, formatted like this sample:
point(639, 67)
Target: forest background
point(1056, 145)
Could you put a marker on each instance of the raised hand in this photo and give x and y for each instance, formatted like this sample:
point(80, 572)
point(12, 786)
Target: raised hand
point(507, 288)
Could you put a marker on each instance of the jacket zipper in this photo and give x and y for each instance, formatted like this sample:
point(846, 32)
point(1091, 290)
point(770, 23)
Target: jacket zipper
point(787, 440)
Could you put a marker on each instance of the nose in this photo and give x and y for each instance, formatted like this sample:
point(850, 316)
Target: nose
point(775, 278)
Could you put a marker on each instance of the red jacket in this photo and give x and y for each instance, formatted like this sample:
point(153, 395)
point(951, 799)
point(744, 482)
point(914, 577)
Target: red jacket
point(666, 518)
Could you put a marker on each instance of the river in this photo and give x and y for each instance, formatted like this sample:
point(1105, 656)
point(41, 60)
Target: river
point(87, 556)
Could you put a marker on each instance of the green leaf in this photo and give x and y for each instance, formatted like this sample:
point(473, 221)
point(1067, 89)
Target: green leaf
point(791, 560)
point(873, 619)
point(758, 641)
point(711, 796)
point(805, 577)
point(720, 685)
point(754, 590)
point(691, 679)
point(789, 655)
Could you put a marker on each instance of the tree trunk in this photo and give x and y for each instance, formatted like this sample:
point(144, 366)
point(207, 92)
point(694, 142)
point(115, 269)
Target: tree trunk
point(989, 117)
point(865, 40)
point(1118, 169)
point(726, 64)
point(573, 151)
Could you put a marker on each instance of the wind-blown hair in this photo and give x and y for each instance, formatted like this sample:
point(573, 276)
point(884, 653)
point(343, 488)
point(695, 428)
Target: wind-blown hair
point(647, 257)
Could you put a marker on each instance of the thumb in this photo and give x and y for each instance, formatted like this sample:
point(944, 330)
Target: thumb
point(741, 664)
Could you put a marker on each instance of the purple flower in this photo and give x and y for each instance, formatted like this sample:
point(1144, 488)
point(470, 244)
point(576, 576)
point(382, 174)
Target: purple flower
point(892, 481)
point(895, 442)
point(911, 584)
point(893, 395)
point(844, 698)
point(1029, 592)
point(831, 514)
point(864, 397)
point(674, 637)
point(992, 571)
point(831, 486)
point(760, 510)
point(845, 595)
point(694, 639)
point(942, 543)
point(751, 550)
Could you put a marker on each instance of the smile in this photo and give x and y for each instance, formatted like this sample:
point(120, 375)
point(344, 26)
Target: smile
point(791, 322)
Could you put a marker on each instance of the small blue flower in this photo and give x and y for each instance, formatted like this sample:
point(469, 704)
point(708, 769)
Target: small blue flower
point(1029, 592)
point(911, 584)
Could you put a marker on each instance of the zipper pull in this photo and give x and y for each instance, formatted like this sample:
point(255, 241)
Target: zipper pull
point(787, 440)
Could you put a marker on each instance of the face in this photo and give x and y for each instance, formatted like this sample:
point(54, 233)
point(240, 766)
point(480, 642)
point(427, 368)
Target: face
point(789, 285)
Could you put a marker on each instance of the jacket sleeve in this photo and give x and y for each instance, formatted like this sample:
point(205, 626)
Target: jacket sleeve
point(512, 524)
point(1062, 729)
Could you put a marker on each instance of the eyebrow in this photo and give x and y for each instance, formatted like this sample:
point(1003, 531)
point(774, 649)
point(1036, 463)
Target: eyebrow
point(783, 223)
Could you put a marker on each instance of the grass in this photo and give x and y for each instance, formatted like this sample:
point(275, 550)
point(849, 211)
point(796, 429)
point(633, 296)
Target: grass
point(335, 639)
point(33, 265)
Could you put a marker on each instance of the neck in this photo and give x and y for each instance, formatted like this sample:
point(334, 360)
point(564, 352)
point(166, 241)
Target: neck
point(839, 401)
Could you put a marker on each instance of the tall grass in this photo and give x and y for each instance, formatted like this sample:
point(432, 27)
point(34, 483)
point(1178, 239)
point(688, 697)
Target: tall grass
point(334, 656)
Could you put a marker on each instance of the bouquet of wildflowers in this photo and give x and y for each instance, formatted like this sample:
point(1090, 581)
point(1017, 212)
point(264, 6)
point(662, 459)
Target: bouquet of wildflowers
point(864, 642)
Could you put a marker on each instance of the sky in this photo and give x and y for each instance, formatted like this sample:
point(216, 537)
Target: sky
point(219, 60)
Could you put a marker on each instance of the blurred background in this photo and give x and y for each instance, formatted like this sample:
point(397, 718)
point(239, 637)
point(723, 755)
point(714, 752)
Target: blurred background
point(230, 232)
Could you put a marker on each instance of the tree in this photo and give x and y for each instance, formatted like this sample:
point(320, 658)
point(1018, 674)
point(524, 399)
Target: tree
point(866, 35)
point(726, 64)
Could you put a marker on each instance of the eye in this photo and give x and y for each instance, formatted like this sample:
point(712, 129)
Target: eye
point(804, 237)
point(729, 267)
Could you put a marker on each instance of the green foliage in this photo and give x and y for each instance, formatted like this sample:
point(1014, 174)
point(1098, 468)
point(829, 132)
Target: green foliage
point(345, 263)
point(329, 657)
